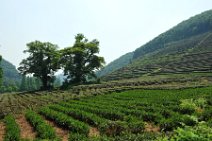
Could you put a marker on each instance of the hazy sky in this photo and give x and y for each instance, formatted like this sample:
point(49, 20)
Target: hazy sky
point(121, 26)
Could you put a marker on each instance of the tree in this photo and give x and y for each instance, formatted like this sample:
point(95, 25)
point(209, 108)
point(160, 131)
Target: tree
point(41, 63)
point(81, 61)
point(23, 86)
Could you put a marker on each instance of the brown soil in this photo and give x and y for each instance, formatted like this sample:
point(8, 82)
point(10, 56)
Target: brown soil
point(151, 128)
point(27, 131)
point(199, 110)
point(62, 133)
point(2, 131)
point(93, 132)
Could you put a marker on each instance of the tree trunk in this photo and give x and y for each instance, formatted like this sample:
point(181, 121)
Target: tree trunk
point(45, 83)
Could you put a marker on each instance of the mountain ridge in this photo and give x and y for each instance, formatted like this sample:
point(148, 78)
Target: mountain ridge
point(10, 73)
point(171, 47)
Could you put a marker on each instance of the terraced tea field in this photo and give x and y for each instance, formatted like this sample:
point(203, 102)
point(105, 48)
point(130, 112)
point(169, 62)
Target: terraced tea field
point(16, 103)
point(129, 115)
point(196, 63)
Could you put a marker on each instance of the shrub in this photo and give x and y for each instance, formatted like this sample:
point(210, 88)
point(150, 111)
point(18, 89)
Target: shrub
point(166, 113)
point(199, 133)
point(187, 106)
point(207, 114)
point(115, 128)
point(151, 117)
point(200, 102)
point(171, 123)
point(135, 125)
point(189, 120)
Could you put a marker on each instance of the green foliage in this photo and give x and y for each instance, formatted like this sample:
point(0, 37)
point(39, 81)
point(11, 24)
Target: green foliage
point(195, 25)
point(187, 106)
point(81, 60)
point(105, 113)
point(207, 114)
point(30, 83)
point(10, 77)
point(44, 131)
point(136, 137)
point(12, 129)
point(89, 118)
point(116, 64)
point(201, 132)
point(65, 121)
point(189, 120)
point(182, 49)
point(42, 62)
point(77, 137)
point(171, 123)
point(136, 126)
point(200, 102)
point(120, 116)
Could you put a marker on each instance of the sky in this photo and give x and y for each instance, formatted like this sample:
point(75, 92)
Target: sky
point(121, 26)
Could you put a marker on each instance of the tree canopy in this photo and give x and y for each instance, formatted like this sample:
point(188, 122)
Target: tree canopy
point(41, 63)
point(80, 61)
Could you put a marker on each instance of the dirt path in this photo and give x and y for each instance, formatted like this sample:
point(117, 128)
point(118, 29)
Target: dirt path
point(62, 133)
point(151, 128)
point(27, 131)
point(2, 131)
point(94, 132)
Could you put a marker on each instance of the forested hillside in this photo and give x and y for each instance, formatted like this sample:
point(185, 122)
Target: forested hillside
point(186, 48)
point(116, 64)
point(11, 77)
point(194, 26)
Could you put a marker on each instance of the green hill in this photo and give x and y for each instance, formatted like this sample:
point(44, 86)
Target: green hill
point(186, 48)
point(10, 74)
point(116, 64)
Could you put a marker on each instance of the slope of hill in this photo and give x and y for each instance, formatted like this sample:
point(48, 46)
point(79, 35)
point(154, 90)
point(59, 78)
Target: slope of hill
point(186, 48)
point(116, 64)
point(10, 74)
point(194, 26)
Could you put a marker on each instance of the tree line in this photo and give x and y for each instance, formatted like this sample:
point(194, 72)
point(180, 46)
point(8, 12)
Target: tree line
point(78, 62)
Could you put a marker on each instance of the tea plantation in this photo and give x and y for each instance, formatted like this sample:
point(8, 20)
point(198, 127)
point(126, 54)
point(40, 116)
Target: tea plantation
point(132, 115)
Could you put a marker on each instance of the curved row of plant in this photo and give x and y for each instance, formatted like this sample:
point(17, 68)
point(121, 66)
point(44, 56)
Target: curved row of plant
point(12, 129)
point(65, 121)
point(44, 130)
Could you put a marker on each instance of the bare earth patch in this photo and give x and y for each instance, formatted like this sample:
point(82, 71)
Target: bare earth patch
point(151, 128)
point(62, 133)
point(199, 110)
point(94, 132)
point(27, 131)
point(2, 131)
